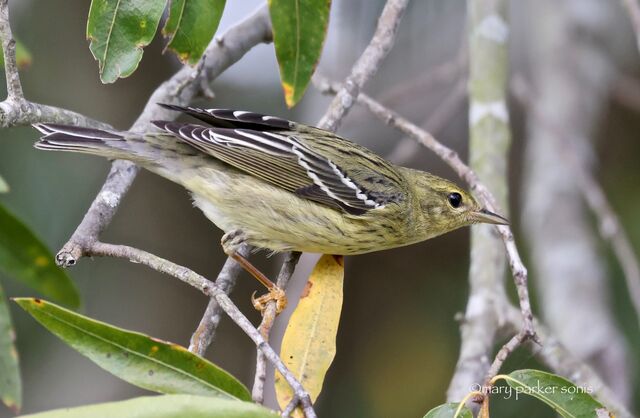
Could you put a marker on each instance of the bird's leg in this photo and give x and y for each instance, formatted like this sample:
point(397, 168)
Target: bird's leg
point(231, 241)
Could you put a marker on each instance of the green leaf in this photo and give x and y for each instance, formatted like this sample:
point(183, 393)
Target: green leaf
point(23, 56)
point(448, 410)
point(4, 186)
point(190, 27)
point(136, 358)
point(560, 394)
point(26, 259)
point(118, 30)
point(299, 30)
point(166, 406)
point(10, 388)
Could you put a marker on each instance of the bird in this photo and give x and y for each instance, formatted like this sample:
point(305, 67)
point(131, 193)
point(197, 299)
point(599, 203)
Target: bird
point(284, 186)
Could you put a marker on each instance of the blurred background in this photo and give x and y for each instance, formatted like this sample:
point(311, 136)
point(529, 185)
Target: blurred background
point(398, 340)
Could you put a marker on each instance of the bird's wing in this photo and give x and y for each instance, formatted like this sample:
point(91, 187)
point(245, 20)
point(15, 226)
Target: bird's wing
point(307, 161)
point(229, 118)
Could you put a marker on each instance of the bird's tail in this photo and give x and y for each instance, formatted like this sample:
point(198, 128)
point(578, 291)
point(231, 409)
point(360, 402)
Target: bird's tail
point(101, 142)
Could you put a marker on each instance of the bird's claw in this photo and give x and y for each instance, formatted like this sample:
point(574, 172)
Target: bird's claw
point(275, 294)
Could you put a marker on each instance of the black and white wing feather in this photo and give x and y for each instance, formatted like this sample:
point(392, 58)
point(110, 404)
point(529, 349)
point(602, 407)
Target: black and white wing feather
point(228, 118)
point(312, 163)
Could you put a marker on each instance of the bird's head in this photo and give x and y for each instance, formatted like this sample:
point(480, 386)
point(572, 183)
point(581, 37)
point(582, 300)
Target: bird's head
point(446, 206)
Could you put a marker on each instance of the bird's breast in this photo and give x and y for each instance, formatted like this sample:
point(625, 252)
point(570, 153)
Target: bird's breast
point(277, 220)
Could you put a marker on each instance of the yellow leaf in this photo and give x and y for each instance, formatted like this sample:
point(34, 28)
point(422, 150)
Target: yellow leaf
point(309, 343)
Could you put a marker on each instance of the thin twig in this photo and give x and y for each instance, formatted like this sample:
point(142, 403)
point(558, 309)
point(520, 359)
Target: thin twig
point(226, 280)
point(291, 406)
point(135, 255)
point(210, 289)
point(24, 113)
point(610, 228)
point(633, 8)
point(14, 87)
point(502, 355)
point(367, 65)
point(203, 336)
point(268, 318)
point(518, 270)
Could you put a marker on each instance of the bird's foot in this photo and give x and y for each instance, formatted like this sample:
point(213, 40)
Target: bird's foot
point(275, 294)
point(231, 242)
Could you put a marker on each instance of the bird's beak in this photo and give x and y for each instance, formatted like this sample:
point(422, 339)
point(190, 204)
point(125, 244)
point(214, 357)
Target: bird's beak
point(484, 216)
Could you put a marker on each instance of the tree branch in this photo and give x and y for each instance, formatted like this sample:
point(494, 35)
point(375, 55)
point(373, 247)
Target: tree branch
point(14, 87)
point(24, 113)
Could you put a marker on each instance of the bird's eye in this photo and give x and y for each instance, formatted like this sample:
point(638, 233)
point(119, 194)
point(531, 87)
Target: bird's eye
point(454, 199)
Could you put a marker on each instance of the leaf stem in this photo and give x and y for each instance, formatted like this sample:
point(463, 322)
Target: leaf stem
point(464, 401)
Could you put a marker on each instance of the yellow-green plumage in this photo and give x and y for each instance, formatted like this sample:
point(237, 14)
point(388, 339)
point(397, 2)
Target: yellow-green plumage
point(281, 221)
point(284, 186)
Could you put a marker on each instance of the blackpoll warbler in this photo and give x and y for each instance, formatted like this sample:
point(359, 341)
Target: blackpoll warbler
point(284, 186)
